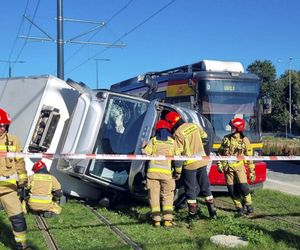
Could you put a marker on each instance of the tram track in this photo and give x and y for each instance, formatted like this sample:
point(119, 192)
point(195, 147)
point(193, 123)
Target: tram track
point(43, 227)
point(221, 204)
point(126, 239)
point(51, 242)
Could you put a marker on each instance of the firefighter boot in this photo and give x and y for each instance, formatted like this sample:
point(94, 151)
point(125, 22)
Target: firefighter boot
point(169, 223)
point(22, 246)
point(156, 223)
point(211, 210)
point(192, 208)
point(240, 211)
point(250, 209)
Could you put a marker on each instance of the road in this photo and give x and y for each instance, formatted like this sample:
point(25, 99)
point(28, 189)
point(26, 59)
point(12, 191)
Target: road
point(283, 176)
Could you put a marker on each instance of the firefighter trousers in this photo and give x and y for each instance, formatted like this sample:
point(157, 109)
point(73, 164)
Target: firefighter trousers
point(12, 206)
point(196, 182)
point(161, 193)
point(44, 207)
point(238, 188)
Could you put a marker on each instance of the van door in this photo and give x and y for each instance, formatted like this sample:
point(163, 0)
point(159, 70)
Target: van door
point(137, 168)
point(119, 133)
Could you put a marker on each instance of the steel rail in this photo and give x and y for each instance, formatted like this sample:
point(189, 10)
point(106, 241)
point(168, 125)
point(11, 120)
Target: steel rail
point(114, 228)
point(43, 227)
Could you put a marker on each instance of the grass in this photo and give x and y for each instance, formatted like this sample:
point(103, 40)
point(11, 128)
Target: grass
point(259, 229)
point(78, 228)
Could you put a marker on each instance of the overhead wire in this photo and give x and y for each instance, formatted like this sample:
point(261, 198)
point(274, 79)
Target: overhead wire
point(30, 26)
point(108, 21)
point(18, 33)
point(125, 34)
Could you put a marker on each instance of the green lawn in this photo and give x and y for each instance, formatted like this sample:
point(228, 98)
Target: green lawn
point(78, 228)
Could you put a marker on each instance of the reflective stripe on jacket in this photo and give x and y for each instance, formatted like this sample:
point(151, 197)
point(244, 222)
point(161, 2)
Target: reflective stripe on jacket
point(158, 147)
point(40, 199)
point(10, 166)
point(41, 187)
point(188, 139)
point(235, 145)
point(10, 177)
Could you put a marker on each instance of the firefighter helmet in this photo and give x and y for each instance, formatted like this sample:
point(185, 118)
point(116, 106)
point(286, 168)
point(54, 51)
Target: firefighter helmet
point(4, 117)
point(172, 118)
point(238, 123)
point(162, 124)
point(38, 166)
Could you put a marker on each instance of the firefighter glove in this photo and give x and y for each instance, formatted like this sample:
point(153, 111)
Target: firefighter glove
point(220, 167)
point(22, 193)
point(22, 183)
point(252, 176)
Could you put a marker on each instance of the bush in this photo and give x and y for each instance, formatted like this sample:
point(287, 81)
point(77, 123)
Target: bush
point(281, 146)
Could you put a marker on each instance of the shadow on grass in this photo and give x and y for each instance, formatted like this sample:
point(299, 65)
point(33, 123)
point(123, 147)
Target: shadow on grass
point(280, 235)
point(289, 238)
point(51, 227)
point(6, 236)
point(261, 216)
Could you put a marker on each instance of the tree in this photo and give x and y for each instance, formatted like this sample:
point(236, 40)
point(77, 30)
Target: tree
point(266, 72)
point(269, 87)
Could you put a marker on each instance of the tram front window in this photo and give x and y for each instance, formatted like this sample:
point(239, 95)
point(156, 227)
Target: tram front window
point(221, 108)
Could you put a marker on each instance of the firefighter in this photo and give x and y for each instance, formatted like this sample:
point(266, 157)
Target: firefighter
point(160, 182)
point(188, 137)
point(13, 176)
point(237, 144)
point(44, 191)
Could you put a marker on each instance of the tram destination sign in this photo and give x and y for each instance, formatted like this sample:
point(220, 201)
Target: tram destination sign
point(232, 87)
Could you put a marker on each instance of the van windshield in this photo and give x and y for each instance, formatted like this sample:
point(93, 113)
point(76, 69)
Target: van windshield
point(118, 134)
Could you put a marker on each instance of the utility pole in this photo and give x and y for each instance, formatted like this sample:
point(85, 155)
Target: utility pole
point(9, 68)
point(60, 37)
point(60, 41)
point(290, 94)
point(97, 78)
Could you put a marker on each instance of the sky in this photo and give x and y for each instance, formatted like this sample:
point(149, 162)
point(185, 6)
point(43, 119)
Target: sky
point(149, 36)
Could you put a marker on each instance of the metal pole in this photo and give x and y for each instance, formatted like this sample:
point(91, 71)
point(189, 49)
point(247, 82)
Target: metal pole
point(290, 94)
point(9, 66)
point(9, 71)
point(60, 41)
point(97, 74)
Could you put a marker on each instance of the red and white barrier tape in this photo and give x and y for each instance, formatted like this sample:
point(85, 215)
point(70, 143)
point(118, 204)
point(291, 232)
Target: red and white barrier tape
point(144, 157)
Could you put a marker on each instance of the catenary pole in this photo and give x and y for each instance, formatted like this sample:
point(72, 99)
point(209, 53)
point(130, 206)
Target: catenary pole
point(60, 41)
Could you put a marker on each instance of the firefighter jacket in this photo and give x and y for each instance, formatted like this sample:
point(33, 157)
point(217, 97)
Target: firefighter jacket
point(41, 188)
point(13, 169)
point(160, 169)
point(188, 137)
point(236, 145)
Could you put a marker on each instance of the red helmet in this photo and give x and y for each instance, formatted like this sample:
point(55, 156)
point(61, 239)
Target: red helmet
point(238, 123)
point(162, 124)
point(4, 117)
point(172, 118)
point(38, 166)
